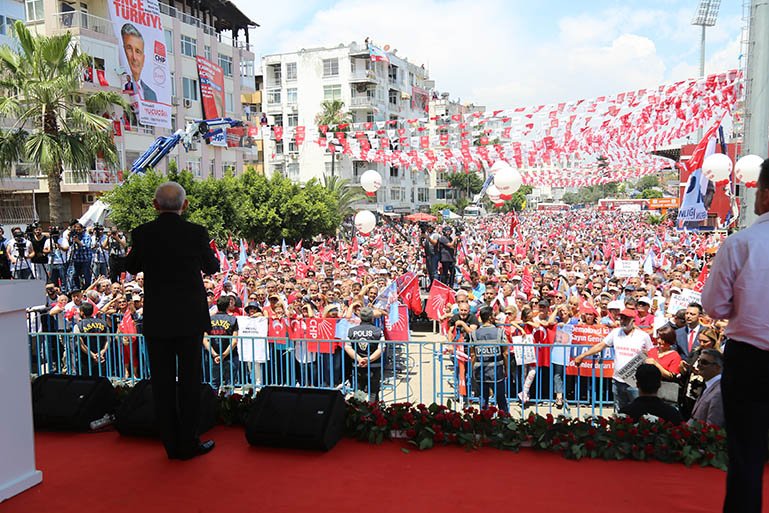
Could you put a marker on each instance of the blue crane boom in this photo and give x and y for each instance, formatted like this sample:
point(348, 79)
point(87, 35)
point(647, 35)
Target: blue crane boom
point(205, 128)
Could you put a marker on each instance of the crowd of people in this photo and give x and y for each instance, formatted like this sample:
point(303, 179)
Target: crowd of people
point(534, 273)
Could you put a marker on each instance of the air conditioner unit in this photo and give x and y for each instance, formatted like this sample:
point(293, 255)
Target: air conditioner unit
point(174, 100)
point(187, 103)
point(294, 156)
point(78, 99)
point(89, 199)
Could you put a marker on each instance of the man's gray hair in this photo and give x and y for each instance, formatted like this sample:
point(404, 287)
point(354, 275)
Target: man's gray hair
point(717, 356)
point(170, 197)
point(130, 30)
point(366, 314)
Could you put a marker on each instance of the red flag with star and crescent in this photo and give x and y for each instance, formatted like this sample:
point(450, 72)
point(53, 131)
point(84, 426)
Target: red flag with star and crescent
point(410, 295)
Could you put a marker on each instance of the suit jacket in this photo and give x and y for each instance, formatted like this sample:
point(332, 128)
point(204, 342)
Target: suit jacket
point(682, 340)
point(148, 94)
point(710, 406)
point(172, 253)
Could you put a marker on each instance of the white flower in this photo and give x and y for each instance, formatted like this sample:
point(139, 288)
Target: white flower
point(620, 415)
point(651, 418)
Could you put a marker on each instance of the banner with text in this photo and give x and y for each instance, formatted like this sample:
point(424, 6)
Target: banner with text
point(211, 88)
point(143, 57)
point(581, 338)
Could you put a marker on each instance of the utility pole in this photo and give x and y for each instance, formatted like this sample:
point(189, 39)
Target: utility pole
point(756, 133)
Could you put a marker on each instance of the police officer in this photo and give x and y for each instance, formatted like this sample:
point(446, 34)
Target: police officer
point(221, 345)
point(489, 359)
point(365, 348)
point(93, 345)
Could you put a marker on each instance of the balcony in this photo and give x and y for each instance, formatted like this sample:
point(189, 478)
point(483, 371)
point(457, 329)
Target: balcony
point(83, 23)
point(191, 20)
point(91, 181)
point(363, 102)
point(363, 76)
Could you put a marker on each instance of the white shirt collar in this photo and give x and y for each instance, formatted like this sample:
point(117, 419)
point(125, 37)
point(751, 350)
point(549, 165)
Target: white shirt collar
point(712, 381)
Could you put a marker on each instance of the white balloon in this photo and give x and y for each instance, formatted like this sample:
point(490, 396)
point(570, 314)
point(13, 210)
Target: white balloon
point(365, 221)
point(508, 180)
point(493, 193)
point(747, 169)
point(371, 181)
point(498, 166)
point(717, 167)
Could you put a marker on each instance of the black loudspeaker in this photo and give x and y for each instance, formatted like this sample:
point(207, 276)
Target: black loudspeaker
point(302, 418)
point(64, 402)
point(136, 414)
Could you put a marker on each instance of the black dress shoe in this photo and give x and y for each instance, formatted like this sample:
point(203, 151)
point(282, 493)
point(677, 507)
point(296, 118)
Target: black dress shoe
point(201, 449)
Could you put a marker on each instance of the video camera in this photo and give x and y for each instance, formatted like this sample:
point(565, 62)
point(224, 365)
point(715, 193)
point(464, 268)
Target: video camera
point(98, 230)
point(54, 232)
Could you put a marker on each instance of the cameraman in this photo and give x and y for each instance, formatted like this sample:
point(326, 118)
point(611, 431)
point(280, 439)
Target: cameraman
point(99, 246)
point(20, 252)
point(116, 244)
point(81, 255)
point(57, 272)
point(41, 248)
point(5, 263)
point(447, 250)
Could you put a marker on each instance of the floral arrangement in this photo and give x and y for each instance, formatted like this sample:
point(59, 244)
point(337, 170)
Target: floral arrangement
point(613, 438)
point(424, 427)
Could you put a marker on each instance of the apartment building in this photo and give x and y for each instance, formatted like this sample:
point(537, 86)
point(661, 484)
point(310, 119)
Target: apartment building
point(295, 85)
point(214, 29)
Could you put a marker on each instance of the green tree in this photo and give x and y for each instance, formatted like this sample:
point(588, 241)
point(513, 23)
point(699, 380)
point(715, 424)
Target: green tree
point(647, 182)
point(462, 183)
point(346, 195)
point(332, 114)
point(130, 203)
point(216, 203)
point(651, 193)
point(38, 86)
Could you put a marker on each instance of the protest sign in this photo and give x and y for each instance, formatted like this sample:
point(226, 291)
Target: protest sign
point(627, 373)
point(682, 300)
point(525, 352)
point(252, 339)
point(582, 338)
point(626, 268)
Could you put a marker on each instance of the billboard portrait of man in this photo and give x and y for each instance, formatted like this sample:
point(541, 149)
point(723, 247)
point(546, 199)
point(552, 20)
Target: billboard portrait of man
point(133, 46)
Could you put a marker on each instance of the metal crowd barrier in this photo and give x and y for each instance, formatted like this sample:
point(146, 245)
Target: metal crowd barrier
point(408, 371)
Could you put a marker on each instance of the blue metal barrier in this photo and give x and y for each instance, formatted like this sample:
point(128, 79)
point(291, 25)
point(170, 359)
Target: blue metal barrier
point(409, 371)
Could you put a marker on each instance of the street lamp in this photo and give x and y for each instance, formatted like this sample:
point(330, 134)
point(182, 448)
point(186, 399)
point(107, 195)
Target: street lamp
point(705, 17)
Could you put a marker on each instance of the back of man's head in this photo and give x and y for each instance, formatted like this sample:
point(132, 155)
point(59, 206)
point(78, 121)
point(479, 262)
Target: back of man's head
point(170, 197)
point(86, 309)
point(366, 314)
point(486, 313)
point(649, 378)
point(223, 303)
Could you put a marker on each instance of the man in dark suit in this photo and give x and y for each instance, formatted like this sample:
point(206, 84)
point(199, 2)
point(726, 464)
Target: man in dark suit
point(686, 337)
point(649, 379)
point(172, 253)
point(709, 407)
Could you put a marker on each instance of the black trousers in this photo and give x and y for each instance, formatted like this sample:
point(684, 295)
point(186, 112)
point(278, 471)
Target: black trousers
point(745, 389)
point(177, 408)
point(116, 267)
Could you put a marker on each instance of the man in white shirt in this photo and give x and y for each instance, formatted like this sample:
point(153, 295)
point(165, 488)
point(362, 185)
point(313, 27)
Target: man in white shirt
point(737, 290)
point(627, 341)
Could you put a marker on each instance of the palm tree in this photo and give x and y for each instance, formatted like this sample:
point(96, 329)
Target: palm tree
point(38, 88)
point(332, 114)
point(344, 193)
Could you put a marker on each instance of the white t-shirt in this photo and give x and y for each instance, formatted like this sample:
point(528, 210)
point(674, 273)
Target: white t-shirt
point(627, 346)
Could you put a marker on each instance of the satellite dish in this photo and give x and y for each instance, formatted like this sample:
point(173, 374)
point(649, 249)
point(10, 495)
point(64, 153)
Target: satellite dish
point(386, 47)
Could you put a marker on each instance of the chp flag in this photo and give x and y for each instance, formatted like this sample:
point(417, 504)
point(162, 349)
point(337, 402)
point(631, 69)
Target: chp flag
point(143, 58)
point(440, 296)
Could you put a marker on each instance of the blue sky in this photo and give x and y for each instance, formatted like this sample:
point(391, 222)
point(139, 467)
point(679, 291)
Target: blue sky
point(507, 53)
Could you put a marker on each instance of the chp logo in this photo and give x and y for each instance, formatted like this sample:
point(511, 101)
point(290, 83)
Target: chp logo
point(160, 52)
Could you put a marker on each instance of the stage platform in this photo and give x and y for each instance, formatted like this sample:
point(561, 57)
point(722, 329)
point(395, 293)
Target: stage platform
point(103, 472)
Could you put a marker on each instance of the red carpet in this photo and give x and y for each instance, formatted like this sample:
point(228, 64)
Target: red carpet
point(104, 472)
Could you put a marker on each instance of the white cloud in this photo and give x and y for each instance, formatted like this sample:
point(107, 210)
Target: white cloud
point(484, 52)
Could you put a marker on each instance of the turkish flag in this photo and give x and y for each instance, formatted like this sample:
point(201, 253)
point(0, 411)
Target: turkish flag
point(440, 296)
point(513, 223)
point(527, 281)
point(411, 297)
point(319, 331)
point(400, 330)
point(277, 331)
point(127, 325)
point(702, 278)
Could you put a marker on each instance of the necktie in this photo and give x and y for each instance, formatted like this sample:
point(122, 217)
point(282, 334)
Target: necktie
point(691, 338)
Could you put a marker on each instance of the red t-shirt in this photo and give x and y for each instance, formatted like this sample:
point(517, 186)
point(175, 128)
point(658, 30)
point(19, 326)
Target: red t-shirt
point(670, 360)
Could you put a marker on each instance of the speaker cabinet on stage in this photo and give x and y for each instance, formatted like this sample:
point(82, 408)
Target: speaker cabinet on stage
point(71, 403)
point(136, 414)
point(302, 418)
